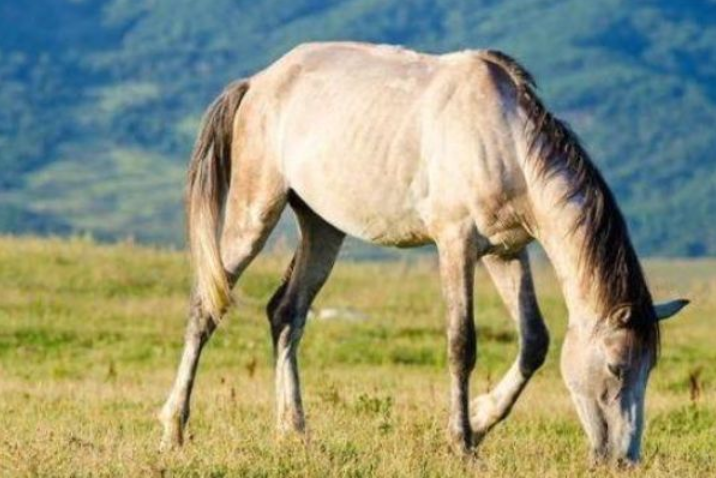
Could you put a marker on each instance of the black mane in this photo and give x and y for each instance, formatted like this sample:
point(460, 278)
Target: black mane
point(608, 254)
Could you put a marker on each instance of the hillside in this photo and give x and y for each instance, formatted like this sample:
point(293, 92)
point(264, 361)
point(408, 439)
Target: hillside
point(100, 99)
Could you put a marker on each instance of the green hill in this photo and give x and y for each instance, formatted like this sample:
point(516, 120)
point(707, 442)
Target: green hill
point(100, 99)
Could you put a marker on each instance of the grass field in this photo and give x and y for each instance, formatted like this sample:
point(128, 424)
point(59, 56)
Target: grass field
point(90, 336)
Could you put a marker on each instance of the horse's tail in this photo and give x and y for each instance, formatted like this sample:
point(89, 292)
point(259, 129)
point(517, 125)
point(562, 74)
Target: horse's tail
point(207, 185)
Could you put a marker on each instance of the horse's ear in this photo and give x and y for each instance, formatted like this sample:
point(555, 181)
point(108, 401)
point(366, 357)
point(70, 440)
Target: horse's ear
point(669, 309)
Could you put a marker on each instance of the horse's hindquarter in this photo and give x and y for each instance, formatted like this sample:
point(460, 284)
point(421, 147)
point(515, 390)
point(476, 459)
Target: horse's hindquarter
point(387, 145)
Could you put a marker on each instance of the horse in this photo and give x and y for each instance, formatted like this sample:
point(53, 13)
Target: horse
point(401, 148)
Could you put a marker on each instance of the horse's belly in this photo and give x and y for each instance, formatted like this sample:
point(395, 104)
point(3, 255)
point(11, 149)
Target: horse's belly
point(384, 219)
point(376, 212)
point(356, 161)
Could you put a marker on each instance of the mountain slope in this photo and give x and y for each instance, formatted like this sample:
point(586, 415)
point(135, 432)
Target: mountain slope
point(100, 99)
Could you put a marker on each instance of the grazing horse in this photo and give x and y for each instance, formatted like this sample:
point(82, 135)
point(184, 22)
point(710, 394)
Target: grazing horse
point(400, 148)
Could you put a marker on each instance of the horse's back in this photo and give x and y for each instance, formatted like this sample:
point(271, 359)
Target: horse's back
point(374, 138)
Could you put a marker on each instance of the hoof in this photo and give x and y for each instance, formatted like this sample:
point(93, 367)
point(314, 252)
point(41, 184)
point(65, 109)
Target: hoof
point(291, 433)
point(461, 448)
point(171, 440)
point(485, 416)
point(173, 436)
point(600, 458)
point(291, 425)
point(461, 440)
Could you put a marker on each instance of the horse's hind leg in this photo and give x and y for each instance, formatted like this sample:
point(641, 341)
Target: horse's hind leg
point(247, 224)
point(287, 309)
point(513, 280)
point(175, 412)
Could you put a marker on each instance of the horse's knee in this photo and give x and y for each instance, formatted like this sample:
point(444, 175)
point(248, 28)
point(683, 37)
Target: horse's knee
point(462, 345)
point(200, 325)
point(534, 350)
point(286, 321)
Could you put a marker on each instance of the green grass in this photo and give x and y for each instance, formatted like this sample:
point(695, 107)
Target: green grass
point(90, 336)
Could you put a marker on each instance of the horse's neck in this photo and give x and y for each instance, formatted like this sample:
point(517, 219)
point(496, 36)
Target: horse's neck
point(554, 227)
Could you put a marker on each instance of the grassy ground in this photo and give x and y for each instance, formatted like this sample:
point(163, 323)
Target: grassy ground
point(90, 336)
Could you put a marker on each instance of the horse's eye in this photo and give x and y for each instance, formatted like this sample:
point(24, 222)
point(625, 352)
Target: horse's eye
point(617, 370)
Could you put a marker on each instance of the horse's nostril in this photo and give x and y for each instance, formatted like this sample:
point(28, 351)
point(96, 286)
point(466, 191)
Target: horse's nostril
point(619, 371)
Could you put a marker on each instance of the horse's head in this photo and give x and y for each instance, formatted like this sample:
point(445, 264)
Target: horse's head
point(606, 369)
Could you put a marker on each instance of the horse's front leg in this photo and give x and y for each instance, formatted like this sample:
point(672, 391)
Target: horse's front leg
point(457, 266)
point(513, 280)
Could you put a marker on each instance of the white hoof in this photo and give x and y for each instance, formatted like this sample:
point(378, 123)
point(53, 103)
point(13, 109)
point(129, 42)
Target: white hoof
point(486, 414)
point(173, 436)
